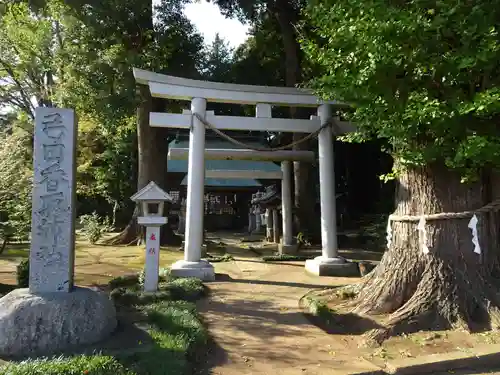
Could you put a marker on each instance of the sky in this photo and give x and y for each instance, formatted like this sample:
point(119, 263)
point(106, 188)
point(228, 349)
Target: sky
point(209, 21)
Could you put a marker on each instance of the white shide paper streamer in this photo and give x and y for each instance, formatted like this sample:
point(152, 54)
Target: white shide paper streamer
point(475, 238)
point(389, 233)
point(422, 235)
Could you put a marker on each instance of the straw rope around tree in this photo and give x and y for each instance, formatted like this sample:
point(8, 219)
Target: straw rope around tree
point(490, 207)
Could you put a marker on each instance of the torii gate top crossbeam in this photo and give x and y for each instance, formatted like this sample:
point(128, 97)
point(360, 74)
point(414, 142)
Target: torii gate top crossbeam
point(165, 86)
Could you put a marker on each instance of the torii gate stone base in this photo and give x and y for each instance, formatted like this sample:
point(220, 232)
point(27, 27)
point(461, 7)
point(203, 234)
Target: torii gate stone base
point(263, 97)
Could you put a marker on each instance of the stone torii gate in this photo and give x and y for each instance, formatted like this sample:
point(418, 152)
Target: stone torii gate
point(263, 97)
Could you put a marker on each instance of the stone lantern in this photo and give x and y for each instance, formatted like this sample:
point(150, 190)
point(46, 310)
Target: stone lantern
point(152, 203)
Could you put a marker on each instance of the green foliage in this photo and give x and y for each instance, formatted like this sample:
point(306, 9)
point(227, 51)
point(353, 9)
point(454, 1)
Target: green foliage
point(128, 290)
point(302, 239)
point(318, 308)
point(15, 184)
point(23, 273)
point(84, 365)
point(217, 63)
point(220, 258)
point(124, 281)
point(422, 75)
point(93, 227)
point(285, 257)
point(28, 62)
point(177, 333)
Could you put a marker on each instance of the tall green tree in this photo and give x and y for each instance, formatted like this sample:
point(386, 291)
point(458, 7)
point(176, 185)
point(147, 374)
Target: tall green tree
point(218, 60)
point(423, 76)
point(16, 176)
point(117, 36)
point(28, 62)
point(286, 15)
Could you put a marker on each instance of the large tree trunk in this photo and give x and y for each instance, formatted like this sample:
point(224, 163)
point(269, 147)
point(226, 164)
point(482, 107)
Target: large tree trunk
point(152, 166)
point(304, 196)
point(451, 285)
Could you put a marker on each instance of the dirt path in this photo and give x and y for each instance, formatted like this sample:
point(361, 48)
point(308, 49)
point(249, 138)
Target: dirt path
point(254, 317)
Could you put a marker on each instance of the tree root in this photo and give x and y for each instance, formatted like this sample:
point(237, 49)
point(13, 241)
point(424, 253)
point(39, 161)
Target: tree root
point(130, 236)
point(445, 297)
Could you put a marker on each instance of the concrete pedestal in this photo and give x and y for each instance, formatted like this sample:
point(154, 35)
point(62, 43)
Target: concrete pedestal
point(338, 267)
point(202, 270)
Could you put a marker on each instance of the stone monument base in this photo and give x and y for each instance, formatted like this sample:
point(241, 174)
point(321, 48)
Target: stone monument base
point(47, 323)
point(202, 270)
point(288, 249)
point(338, 267)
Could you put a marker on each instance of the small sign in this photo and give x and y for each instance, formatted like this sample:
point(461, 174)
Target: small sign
point(151, 250)
point(153, 237)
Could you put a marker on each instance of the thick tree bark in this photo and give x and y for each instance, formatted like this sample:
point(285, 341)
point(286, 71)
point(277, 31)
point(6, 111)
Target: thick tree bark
point(304, 196)
point(4, 244)
point(451, 286)
point(152, 166)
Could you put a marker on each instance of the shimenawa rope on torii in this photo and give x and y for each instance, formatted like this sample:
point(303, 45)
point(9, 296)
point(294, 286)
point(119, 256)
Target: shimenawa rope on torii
point(330, 122)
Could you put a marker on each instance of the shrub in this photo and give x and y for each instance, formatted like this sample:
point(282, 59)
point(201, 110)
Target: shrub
point(93, 227)
point(164, 274)
point(124, 281)
point(285, 257)
point(220, 258)
point(16, 175)
point(189, 289)
point(23, 273)
point(127, 290)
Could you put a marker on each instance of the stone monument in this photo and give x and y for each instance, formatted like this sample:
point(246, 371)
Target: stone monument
point(53, 216)
point(52, 314)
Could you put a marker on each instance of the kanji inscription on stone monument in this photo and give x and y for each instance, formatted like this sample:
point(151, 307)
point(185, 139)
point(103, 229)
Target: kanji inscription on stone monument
point(52, 226)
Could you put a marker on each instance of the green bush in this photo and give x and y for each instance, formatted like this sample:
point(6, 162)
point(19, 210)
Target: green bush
point(220, 258)
point(164, 274)
point(128, 290)
point(124, 281)
point(285, 257)
point(179, 289)
point(84, 365)
point(189, 289)
point(23, 273)
point(93, 227)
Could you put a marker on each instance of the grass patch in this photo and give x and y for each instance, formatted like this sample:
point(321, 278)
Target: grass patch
point(128, 290)
point(85, 365)
point(175, 332)
point(288, 258)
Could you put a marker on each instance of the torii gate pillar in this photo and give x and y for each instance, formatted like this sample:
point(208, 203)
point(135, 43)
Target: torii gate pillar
point(193, 265)
point(329, 263)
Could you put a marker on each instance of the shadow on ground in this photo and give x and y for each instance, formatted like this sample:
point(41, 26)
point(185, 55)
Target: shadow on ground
point(227, 278)
point(342, 324)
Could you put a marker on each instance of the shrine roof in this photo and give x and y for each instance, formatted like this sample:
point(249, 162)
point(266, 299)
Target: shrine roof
point(181, 166)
